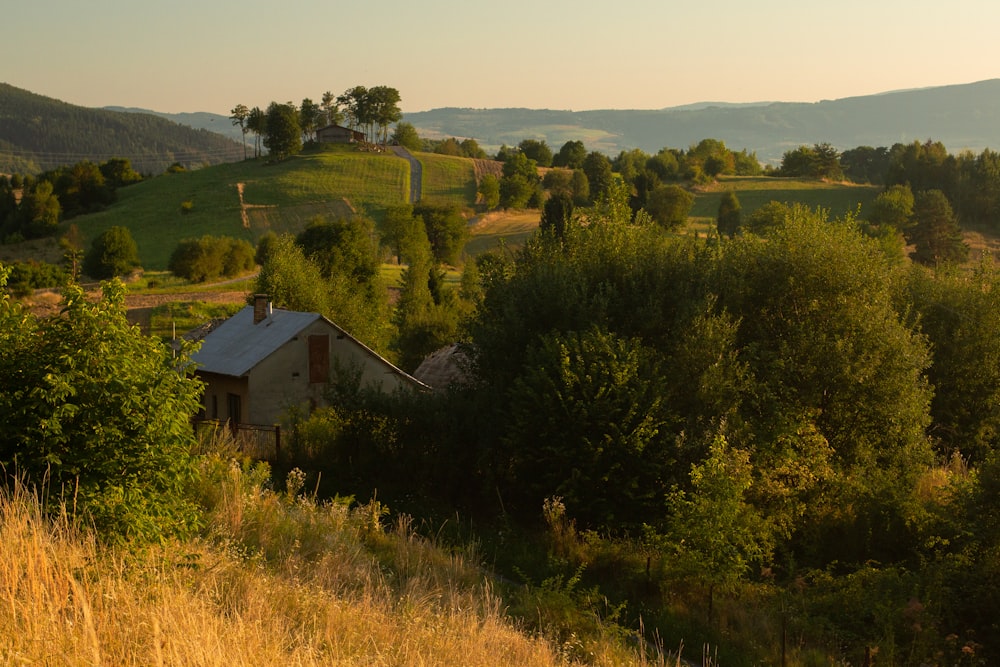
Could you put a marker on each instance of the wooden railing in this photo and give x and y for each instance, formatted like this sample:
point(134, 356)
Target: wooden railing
point(260, 442)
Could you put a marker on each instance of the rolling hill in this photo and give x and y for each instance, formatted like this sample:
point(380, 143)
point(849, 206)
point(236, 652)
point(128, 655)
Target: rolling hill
point(38, 133)
point(962, 117)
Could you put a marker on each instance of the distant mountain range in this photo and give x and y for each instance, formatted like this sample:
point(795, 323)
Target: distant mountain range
point(962, 117)
point(39, 133)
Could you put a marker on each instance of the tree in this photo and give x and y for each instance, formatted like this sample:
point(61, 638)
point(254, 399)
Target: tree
point(471, 148)
point(97, 416)
point(38, 212)
point(557, 214)
point(331, 111)
point(865, 164)
point(239, 115)
point(385, 110)
point(118, 172)
point(571, 155)
point(489, 191)
point(935, 231)
point(113, 253)
point(536, 150)
point(406, 136)
point(257, 123)
point(730, 213)
point(208, 257)
point(283, 134)
point(893, 207)
point(669, 206)
point(519, 182)
point(447, 230)
point(310, 116)
point(597, 167)
point(584, 422)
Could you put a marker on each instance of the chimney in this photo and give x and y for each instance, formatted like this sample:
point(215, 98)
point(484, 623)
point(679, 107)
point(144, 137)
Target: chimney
point(260, 308)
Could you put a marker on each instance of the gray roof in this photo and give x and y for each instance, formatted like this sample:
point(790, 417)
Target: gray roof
point(237, 345)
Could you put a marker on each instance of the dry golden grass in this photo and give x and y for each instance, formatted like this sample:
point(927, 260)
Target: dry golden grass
point(274, 580)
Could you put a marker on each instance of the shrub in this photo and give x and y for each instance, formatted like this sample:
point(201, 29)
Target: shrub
point(209, 257)
point(97, 415)
point(113, 253)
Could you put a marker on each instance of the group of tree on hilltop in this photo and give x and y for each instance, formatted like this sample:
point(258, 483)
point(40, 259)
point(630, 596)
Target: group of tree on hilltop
point(283, 128)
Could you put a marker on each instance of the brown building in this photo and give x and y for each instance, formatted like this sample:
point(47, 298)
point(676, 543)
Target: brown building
point(263, 361)
point(335, 134)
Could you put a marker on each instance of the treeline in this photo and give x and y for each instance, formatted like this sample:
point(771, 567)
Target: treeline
point(970, 182)
point(38, 133)
point(32, 206)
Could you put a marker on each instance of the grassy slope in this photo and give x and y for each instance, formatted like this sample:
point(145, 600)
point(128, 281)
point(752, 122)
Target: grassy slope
point(271, 581)
point(292, 192)
point(447, 179)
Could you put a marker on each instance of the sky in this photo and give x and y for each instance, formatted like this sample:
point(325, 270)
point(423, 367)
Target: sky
point(210, 55)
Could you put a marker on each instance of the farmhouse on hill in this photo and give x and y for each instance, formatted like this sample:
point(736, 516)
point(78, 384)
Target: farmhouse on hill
point(336, 134)
point(262, 361)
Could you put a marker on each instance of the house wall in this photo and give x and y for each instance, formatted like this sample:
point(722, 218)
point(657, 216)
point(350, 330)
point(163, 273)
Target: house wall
point(335, 135)
point(282, 380)
point(216, 401)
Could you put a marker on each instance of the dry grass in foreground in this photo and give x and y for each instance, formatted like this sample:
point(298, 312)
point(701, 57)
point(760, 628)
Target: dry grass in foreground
point(275, 579)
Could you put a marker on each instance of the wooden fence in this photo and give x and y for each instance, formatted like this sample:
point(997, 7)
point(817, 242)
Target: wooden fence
point(258, 441)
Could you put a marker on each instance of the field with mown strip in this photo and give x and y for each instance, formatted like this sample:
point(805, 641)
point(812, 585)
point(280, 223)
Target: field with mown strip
point(447, 179)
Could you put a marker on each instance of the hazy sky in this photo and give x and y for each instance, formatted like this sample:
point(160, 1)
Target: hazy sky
point(210, 55)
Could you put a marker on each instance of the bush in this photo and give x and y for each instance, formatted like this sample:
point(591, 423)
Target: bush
point(113, 253)
point(209, 257)
point(97, 415)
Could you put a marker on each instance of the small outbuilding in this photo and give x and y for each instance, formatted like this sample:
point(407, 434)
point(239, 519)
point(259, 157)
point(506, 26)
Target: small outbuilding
point(336, 134)
point(263, 361)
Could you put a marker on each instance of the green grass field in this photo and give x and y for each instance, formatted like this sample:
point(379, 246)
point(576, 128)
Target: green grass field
point(754, 192)
point(447, 179)
point(283, 197)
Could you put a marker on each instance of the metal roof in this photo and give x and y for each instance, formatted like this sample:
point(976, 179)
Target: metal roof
point(237, 345)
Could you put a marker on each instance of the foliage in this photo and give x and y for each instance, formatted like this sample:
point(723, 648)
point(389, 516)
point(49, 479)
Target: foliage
point(597, 168)
point(669, 206)
point(585, 417)
point(935, 231)
point(447, 230)
point(341, 293)
point(960, 316)
point(406, 136)
point(371, 110)
point(113, 253)
point(536, 150)
point(283, 132)
point(489, 191)
point(571, 155)
point(729, 216)
point(520, 182)
point(97, 415)
point(28, 276)
point(209, 257)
